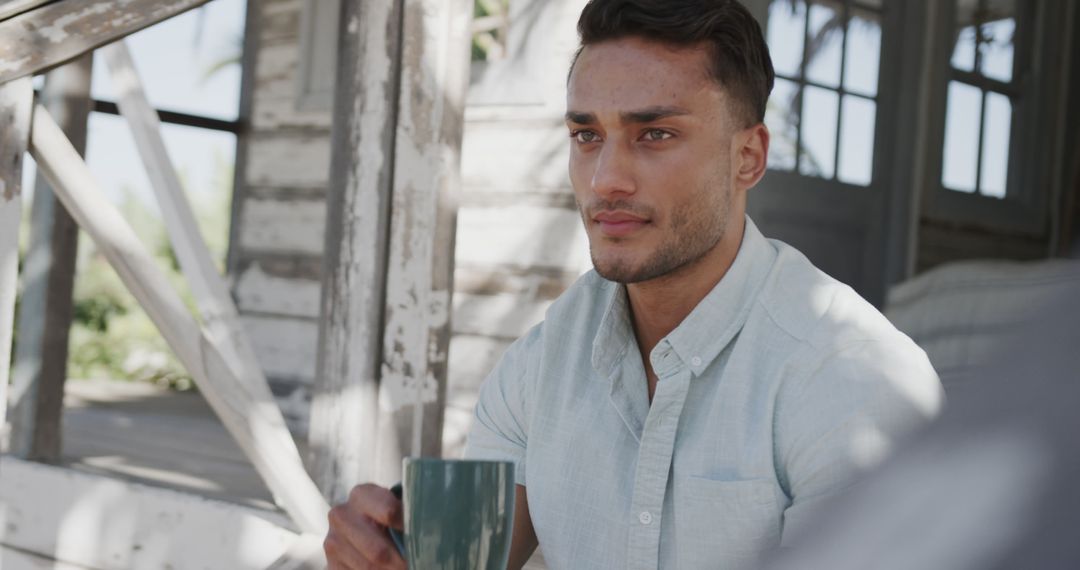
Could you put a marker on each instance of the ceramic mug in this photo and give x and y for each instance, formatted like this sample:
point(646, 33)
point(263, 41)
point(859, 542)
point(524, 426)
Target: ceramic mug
point(459, 514)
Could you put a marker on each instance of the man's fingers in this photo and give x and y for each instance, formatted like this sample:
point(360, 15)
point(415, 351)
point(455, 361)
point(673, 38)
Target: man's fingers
point(359, 542)
point(380, 505)
point(374, 544)
point(341, 554)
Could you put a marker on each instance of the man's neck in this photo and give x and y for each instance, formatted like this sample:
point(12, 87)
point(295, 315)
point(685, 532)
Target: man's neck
point(659, 305)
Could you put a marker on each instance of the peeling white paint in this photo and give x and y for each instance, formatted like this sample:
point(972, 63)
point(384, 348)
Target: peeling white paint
point(57, 31)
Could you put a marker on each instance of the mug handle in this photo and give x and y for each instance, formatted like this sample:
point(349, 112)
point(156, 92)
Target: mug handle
point(395, 534)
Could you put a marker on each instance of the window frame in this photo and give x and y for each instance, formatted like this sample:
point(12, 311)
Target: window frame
point(1023, 209)
point(882, 98)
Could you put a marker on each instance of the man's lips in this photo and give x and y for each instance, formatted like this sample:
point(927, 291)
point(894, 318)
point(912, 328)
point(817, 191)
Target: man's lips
point(619, 224)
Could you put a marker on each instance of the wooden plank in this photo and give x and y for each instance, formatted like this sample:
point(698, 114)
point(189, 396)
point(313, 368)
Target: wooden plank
point(523, 237)
point(260, 292)
point(288, 158)
point(248, 51)
point(381, 383)
point(502, 316)
point(247, 411)
point(516, 156)
point(344, 410)
point(423, 214)
point(45, 310)
point(50, 35)
point(318, 61)
point(100, 522)
point(286, 347)
point(276, 74)
point(16, 102)
point(280, 21)
point(389, 253)
point(471, 359)
point(283, 226)
point(9, 8)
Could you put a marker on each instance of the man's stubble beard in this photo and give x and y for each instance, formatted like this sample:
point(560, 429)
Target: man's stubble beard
point(690, 236)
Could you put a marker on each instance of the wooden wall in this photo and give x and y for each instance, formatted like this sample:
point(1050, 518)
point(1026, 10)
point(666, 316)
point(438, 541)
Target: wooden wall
point(279, 210)
point(519, 239)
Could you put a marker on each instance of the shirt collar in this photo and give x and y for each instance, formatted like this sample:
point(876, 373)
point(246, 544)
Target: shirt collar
point(713, 323)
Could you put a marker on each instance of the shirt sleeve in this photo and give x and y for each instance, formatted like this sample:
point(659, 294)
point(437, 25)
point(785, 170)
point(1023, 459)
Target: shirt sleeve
point(843, 416)
point(500, 429)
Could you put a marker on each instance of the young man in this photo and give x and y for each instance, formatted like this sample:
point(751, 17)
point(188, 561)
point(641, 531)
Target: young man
point(687, 403)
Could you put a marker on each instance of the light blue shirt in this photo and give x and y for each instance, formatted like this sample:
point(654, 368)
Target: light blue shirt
point(775, 389)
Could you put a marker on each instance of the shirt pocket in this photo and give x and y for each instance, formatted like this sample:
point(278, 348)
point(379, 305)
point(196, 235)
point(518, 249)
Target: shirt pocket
point(725, 524)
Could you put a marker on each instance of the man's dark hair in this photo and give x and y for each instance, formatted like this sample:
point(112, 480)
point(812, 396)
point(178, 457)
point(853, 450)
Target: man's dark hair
point(739, 56)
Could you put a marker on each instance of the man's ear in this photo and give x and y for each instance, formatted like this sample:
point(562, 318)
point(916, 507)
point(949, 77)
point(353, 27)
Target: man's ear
point(751, 156)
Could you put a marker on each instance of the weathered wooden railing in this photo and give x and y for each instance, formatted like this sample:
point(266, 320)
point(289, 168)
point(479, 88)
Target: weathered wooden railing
point(381, 386)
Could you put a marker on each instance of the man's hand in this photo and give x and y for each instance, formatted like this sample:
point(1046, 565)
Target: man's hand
point(357, 539)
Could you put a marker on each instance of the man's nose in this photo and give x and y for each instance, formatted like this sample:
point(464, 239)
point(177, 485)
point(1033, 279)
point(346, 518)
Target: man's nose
point(614, 172)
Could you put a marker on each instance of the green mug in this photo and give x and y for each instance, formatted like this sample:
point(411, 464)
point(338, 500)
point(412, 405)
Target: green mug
point(459, 514)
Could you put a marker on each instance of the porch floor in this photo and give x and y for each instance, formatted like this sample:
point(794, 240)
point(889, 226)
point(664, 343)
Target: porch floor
point(158, 436)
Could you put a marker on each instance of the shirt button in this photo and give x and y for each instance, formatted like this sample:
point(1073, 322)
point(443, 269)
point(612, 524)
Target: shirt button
point(645, 517)
point(696, 361)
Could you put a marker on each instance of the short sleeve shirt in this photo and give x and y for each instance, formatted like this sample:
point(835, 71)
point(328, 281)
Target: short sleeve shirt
point(772, 393)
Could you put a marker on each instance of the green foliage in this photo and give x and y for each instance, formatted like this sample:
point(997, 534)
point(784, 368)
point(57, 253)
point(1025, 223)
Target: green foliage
point(482, 41)
point(111, 336)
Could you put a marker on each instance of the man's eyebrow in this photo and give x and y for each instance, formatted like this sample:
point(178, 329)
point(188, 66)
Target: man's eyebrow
point(646, 115)
point(650, 114)
point(580, 118)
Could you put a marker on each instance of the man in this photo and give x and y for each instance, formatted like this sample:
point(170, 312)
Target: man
point(687, 403)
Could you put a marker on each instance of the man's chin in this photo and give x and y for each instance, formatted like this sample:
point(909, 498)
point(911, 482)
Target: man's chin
point(619, 271)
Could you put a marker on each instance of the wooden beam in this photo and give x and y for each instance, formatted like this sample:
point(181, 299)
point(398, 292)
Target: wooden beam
point(9, 8)
point(16, 102)
point(48, 281)
point(52, 34)
point(427, 159)
point(220, 317)
point(95, 521)
point(250, 415)
point(380, 386)
point(344, 407)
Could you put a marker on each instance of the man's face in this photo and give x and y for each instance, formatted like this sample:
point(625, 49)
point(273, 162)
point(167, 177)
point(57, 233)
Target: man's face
point(651, 157)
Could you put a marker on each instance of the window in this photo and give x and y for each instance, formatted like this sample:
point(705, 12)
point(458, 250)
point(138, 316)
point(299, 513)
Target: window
point(823, 108)
point(982, 88)
point(998, 84)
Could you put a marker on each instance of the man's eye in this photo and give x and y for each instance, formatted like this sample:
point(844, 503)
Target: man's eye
point(584, 136)
point(653, 135)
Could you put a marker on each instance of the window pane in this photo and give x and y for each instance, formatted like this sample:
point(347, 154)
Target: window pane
point(786, 27)
point(863, 53)
point(997, 49)
point(824, 45)
point(781, 116)
point(857, 141)
point(963, 57)
point(190, 63)
point(985, 41)
point(820, 107)
point(995, 151)
point(961, 137)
